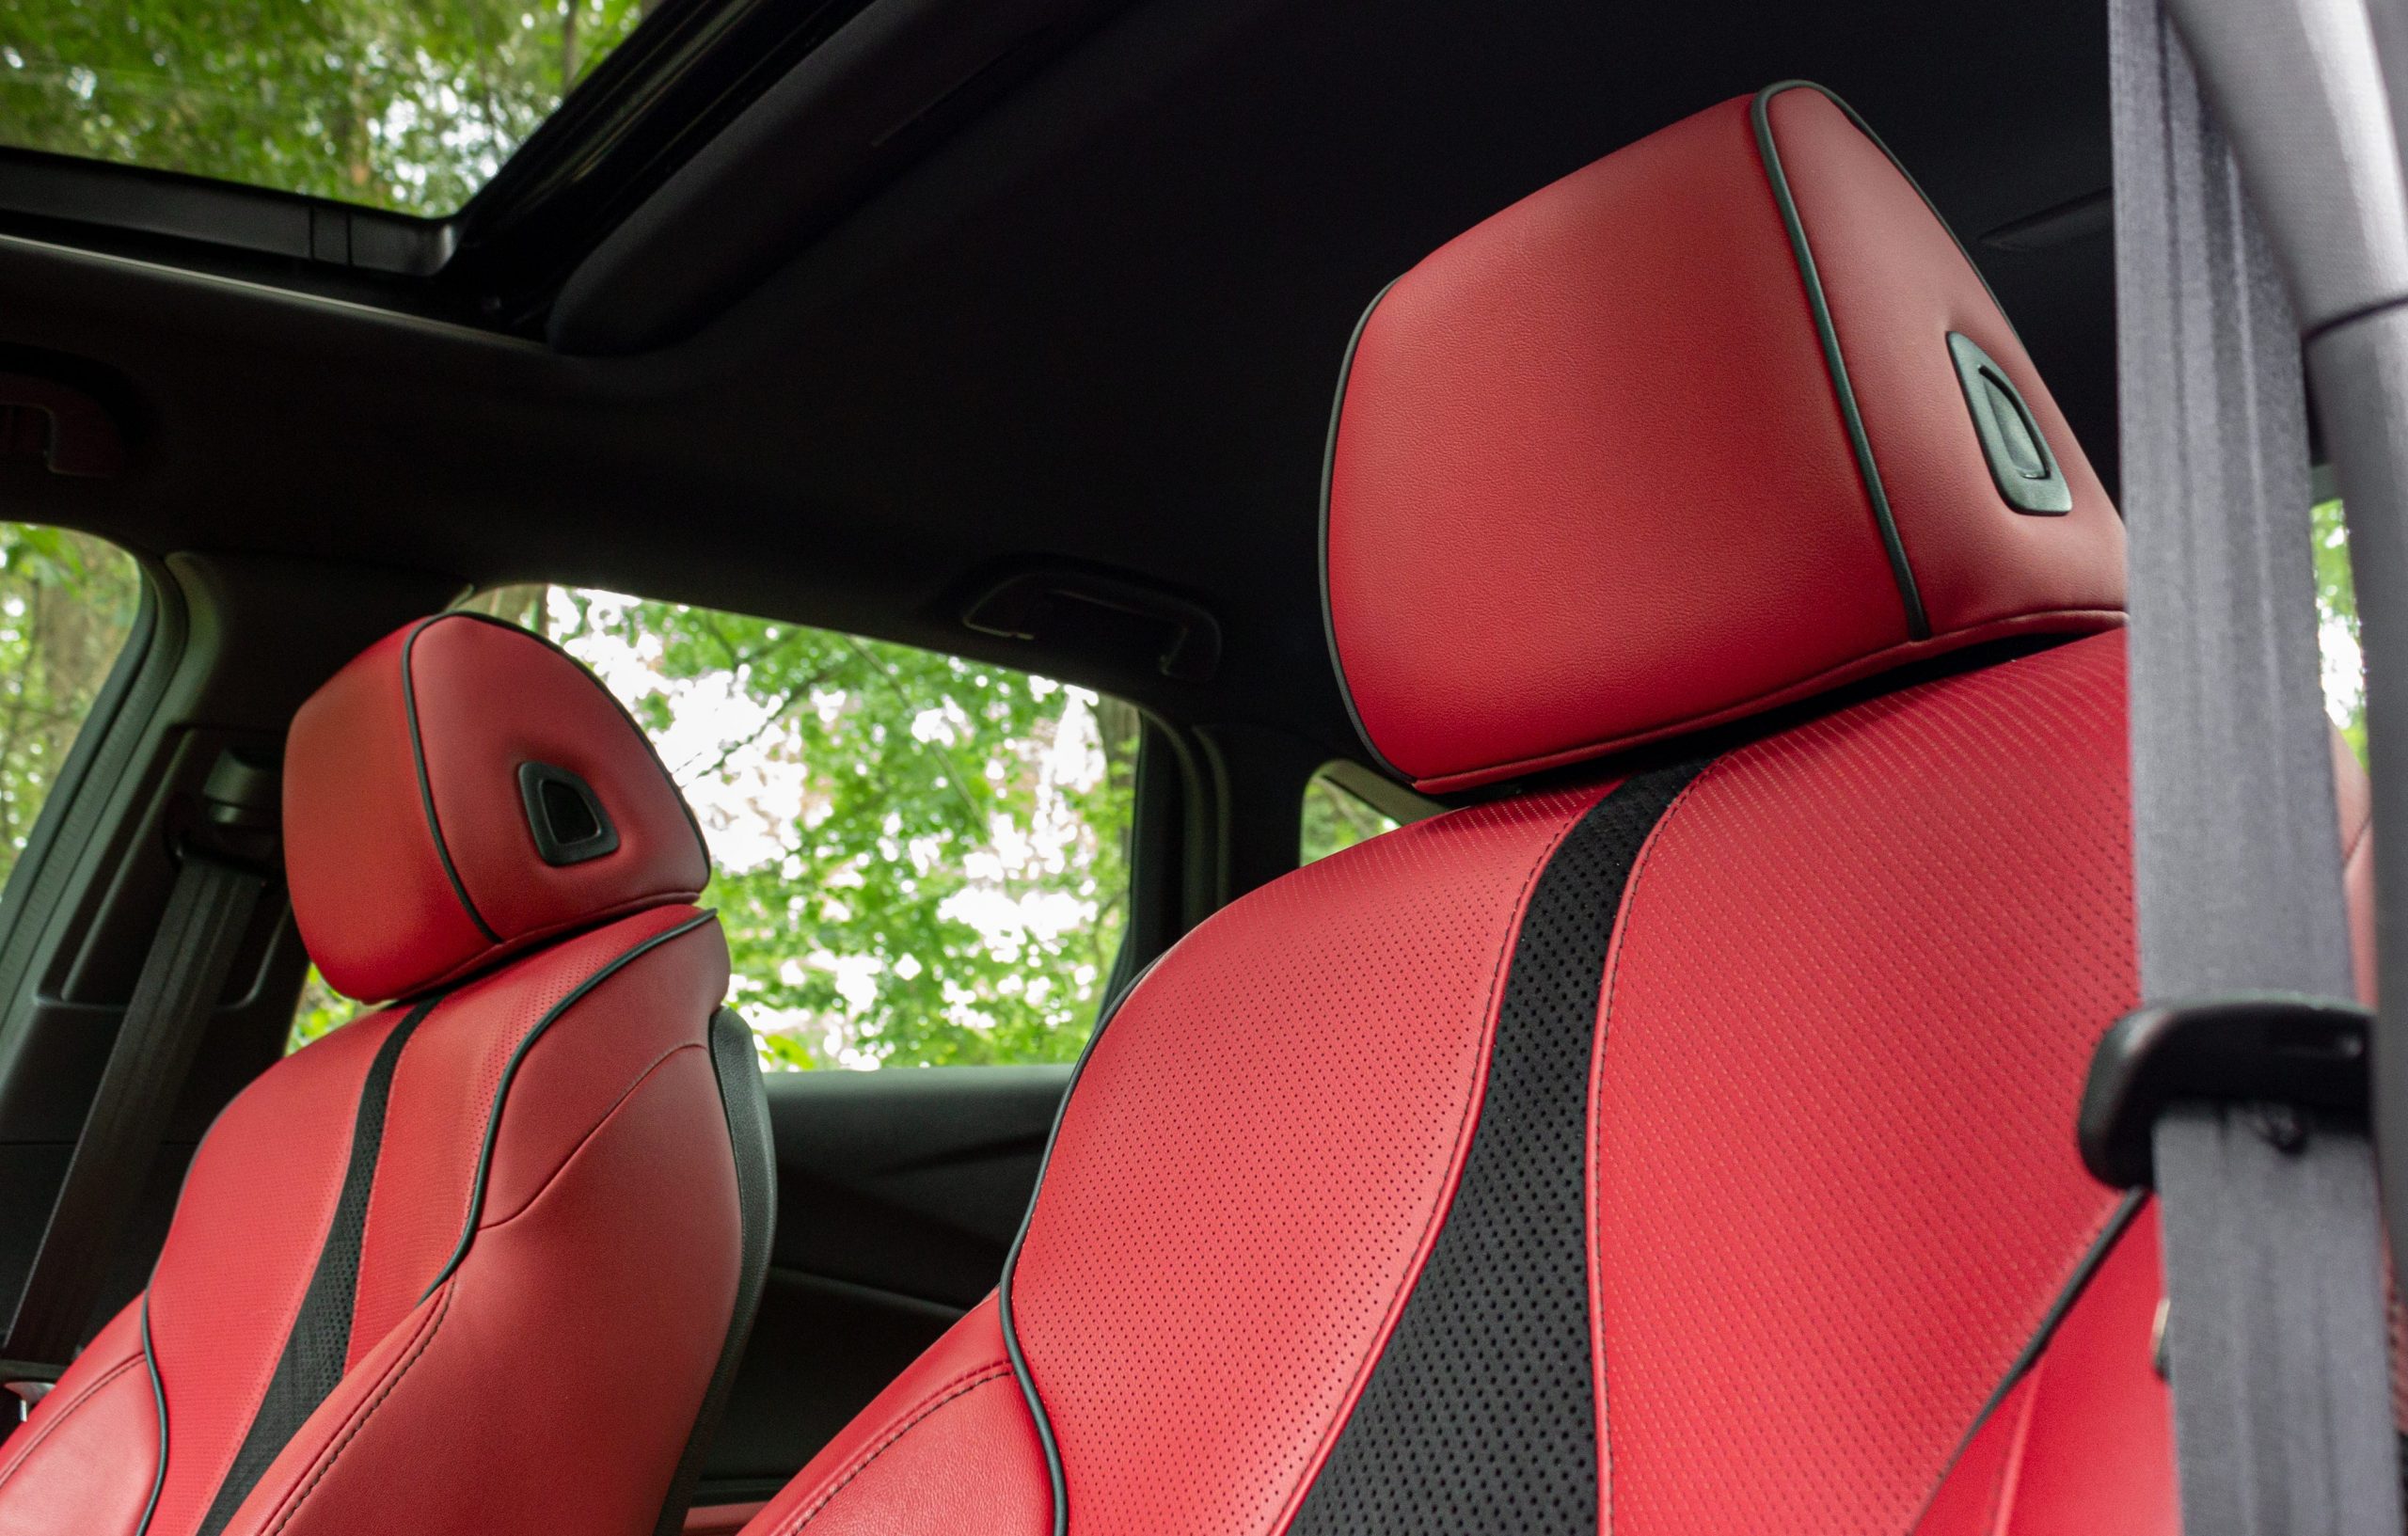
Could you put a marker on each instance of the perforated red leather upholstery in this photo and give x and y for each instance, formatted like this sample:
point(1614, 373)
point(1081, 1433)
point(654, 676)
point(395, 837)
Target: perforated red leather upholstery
point(411, 1261)
point(1828, 1244)
point(1686, 1148)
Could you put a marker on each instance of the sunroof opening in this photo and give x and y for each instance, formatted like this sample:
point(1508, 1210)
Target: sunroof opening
point(407, 105)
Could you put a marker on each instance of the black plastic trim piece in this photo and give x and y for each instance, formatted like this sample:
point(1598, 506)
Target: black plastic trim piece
point(32, 893)
point(1760, 111)
point(309, 1367)
point(687, 70)
point(1987, 389)
point(2282, 1048)
point(552, 845)
point(745, 1102)
point(510, 1075)
point(2078, 218)
point(426, 790)
point(144, 201)
point(1023, 604)
point(2119, 1220)
point(651, 750)
point(1011, 1262)
point(1328, 472)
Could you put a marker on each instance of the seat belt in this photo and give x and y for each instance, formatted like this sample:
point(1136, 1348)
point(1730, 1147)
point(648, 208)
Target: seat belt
point(224, 859)
point(2241, 1088)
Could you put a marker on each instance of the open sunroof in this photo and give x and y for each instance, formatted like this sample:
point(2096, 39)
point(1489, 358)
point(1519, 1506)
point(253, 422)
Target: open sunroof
point(462, 159)
point(455, 158)
point(395, 104)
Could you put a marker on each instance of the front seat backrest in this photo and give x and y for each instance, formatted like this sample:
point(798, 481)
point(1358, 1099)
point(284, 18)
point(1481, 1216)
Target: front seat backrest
point(1680, 1144)
point(472, 1262)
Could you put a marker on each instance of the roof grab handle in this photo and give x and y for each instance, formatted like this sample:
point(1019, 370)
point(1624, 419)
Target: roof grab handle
point(1035, 604)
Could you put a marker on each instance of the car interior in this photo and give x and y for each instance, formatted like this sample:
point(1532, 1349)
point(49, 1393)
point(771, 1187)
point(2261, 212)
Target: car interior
point(1194, 766)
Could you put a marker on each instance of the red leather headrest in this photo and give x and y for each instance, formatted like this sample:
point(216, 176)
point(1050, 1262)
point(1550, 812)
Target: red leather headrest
point(1684, 436)
point(464, 790)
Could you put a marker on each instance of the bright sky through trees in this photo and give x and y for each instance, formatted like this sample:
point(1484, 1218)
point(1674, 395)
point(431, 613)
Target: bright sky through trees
point(919, 859)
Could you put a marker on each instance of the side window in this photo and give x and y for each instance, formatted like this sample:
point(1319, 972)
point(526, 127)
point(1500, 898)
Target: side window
point(1337, 818)
point(67, 606)
point(919, 859)
point(2337, 627)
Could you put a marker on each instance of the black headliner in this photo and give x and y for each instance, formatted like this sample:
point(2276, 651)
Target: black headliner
point(1099, 324)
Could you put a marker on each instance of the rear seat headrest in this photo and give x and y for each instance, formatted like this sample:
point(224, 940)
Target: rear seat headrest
point(1722, 420)
point(464, 790)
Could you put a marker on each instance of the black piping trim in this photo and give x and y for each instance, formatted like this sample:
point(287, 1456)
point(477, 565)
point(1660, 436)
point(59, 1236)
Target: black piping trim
point(418, 750)
point(1906, 176)
point(426, 790)
point(1760, 111)
point(744, 1105)
point(2084, 1270)
point(1329, 472)
point(1011, 1262)
point(641, 734)
point(510, 1074)
point(158, 1395)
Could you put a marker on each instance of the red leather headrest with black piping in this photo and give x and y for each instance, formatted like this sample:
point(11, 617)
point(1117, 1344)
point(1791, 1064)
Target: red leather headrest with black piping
point(1725, 420)
point(462, 791)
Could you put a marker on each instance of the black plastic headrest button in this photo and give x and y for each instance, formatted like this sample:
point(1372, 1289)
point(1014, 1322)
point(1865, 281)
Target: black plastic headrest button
point(2025, 471)
point(565, 815)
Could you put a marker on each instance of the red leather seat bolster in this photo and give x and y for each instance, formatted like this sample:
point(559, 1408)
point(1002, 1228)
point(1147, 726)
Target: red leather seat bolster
point(2084, 1441)
point(444, 1089)
point(633, 1238)
point(1852, 1001)
point(489, 1316)
point(947, 1445)
point(2354, 797)
point(1264, 1140)
point(85, 1459)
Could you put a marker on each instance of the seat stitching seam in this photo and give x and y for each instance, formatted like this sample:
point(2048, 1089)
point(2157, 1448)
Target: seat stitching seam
point(593, 1131)
point(417, 1352)
point(960, 1385)
point(2358, 838)
point(1871, 664)
point(1619, 943)
point(2010, 1374)
point(65, 1411)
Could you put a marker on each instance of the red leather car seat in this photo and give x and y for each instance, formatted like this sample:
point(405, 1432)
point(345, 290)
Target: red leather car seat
point(1681, 1143)
point(473, 1262)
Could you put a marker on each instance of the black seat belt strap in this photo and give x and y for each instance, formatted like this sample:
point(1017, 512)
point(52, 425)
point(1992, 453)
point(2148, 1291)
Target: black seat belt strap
point(2276, 1342)
point(209, 911)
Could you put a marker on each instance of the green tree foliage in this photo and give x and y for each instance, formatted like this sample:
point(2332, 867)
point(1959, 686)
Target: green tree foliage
point(398, 106)
point(66, 603)
point(2336, 624)
point(1336, 818)
point(920, 859)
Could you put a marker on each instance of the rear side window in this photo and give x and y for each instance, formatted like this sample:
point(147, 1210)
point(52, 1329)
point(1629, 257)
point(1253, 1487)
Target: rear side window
point(919, 859)
point(2336, 627)
point(67, 607)
point(1337, 818)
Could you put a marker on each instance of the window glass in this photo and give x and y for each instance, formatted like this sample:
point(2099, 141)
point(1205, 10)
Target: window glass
point(2337, 628)
point(1336, 818)
point(67, 607)
point(392, 103)
point(919, 859)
